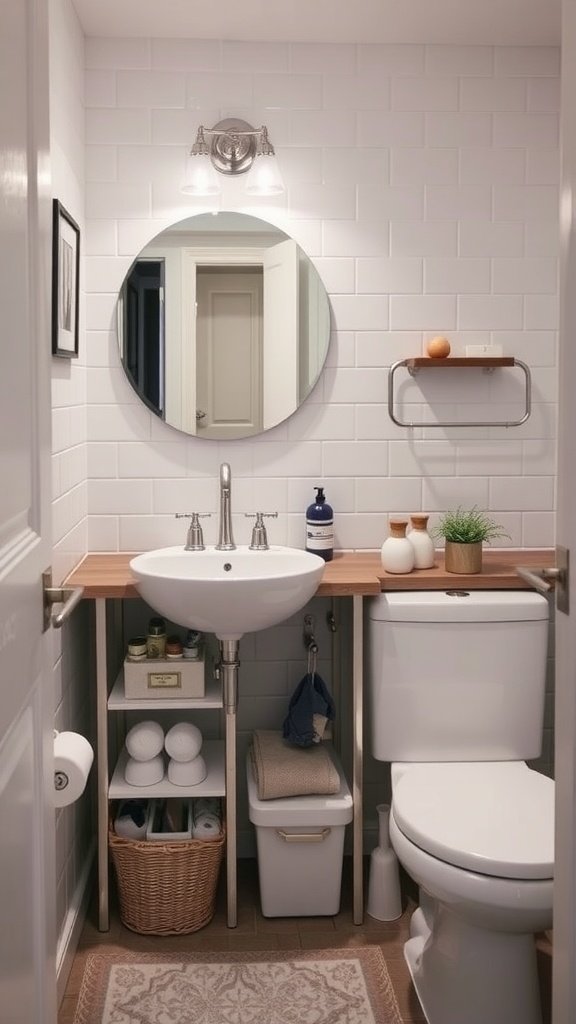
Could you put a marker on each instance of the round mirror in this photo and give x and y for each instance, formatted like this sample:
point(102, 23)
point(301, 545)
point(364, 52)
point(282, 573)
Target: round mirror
point(223, 325)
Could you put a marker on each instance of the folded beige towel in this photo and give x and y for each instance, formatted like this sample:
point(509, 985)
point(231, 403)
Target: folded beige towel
point(281, 769)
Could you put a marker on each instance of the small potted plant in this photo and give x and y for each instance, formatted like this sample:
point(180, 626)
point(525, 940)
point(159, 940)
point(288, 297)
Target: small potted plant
point(464, 531)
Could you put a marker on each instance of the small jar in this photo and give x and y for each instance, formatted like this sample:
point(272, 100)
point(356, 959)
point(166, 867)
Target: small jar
point(192, 645)
point(397, 552)
point(156, 639)
point(137, 648)
point(173, 648)
point(422, 542)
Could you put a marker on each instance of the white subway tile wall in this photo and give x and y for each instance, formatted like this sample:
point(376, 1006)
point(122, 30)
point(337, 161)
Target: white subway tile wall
point(69, 376)
point(423, 180)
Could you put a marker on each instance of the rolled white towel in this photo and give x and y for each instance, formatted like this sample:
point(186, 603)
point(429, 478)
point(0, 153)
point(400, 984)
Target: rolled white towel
point(144, 773)
point(145, 740)
point(187, 773)
point(206, 818)
point(130, 822)
point(183, 741)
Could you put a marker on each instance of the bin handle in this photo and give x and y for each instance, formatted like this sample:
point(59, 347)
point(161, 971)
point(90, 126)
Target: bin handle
point(303, 837)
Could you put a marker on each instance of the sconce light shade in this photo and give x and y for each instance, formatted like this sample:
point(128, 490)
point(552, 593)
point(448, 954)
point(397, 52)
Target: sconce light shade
point(200, 178)
point(264, 177)
point(235, 147)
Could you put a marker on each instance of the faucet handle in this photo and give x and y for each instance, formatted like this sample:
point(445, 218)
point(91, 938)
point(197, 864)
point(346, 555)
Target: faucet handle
point(194, 539)
point(261, 515)
point(192, 515)
point(259, 537)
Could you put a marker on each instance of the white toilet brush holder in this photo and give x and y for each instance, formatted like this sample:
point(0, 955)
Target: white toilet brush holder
point(384, 899)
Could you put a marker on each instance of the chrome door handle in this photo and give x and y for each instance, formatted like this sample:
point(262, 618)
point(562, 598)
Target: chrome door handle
point(68, 597)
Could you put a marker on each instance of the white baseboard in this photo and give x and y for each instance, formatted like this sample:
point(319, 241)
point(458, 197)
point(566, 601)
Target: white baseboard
point(70, 934)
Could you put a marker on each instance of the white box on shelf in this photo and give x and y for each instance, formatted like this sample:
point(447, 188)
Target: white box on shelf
point(158, 678)
point(300, 845)
point(180, 811)
point(484, 351)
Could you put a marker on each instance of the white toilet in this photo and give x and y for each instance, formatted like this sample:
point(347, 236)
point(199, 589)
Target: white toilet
point(456, 682)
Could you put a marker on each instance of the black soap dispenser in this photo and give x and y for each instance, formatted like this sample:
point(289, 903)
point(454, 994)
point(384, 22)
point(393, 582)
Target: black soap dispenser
point(320, 527)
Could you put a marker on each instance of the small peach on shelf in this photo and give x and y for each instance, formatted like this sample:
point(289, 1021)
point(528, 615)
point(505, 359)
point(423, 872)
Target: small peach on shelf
point(438, 348)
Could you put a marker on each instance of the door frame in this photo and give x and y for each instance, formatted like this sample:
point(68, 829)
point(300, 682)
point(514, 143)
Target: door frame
point(564, 958)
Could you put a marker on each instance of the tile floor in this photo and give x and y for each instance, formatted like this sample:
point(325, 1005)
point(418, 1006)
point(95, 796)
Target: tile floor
point(257, 932)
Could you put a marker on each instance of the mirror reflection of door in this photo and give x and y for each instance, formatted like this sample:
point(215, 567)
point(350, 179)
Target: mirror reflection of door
point(244, 332)
point(143, 331)
point(228, 351)
point(223, 326)
point(281, 323)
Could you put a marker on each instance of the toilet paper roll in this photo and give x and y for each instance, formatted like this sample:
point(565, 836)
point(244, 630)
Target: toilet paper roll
point(131, 820)
point(206, 820)
point(73, 757)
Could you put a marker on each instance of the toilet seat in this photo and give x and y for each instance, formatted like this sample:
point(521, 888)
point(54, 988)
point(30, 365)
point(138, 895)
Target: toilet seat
point(495, 818)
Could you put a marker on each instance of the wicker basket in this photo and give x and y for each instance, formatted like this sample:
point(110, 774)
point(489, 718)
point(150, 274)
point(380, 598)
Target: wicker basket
point(166, 888)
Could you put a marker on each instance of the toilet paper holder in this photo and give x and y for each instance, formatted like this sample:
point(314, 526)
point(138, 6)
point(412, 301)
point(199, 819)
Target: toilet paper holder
point(71, 768)
point(61, 779)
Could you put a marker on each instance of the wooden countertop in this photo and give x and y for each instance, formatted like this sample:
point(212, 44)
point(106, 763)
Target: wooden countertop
point(360, 573)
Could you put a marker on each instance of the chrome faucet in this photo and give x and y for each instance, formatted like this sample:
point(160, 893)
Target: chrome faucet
point(225, 538)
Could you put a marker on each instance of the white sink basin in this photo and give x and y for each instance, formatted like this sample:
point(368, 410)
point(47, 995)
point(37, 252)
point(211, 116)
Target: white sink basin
point(227, 592)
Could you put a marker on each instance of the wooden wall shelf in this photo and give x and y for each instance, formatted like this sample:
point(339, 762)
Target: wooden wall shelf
point(486, 362)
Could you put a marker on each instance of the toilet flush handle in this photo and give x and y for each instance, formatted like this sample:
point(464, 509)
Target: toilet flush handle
point(554, 577)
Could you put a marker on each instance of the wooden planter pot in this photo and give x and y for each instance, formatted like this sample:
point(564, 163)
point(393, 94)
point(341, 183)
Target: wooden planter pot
point(463, 558)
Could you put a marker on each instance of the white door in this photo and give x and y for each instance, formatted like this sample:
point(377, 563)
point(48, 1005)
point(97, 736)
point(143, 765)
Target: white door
point(228, 351)
point(280, 353)
point(564, 979)
point(27, 883)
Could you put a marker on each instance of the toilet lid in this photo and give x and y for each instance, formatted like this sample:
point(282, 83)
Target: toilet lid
point(495, 818)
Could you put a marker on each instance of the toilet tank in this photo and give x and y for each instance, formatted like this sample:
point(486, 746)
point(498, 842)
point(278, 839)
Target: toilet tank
point(456, 675)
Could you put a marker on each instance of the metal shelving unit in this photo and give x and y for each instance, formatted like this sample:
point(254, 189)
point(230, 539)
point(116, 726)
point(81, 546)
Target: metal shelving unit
point(219, 755)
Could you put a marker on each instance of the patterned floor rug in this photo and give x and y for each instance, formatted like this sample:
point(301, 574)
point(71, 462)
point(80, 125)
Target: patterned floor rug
point(332, 986)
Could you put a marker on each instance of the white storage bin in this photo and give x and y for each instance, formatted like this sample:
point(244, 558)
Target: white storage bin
point(161, 679)
point(300, 844)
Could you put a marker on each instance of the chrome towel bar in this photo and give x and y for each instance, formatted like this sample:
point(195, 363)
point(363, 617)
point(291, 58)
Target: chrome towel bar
point(415, 364)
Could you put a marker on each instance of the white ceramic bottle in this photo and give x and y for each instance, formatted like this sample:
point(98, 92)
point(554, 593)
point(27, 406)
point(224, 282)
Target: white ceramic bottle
point(384, 898)
point(422, 542)
point(397, 551)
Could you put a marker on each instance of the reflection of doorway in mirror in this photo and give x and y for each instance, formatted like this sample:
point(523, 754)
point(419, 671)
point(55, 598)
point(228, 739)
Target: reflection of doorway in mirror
point(246, 373)
point(295, 326)
point(313, 327)
point(228, 351)
point(142, 331)
point(280, 372)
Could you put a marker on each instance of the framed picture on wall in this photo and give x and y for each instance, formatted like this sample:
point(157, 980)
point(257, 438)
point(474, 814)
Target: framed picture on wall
point(65, 282)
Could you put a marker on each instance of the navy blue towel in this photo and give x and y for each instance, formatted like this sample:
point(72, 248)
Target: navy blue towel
point(310, 698)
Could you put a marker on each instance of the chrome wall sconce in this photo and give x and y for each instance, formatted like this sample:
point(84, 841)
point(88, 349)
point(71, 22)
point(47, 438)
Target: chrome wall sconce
point(232, 146)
